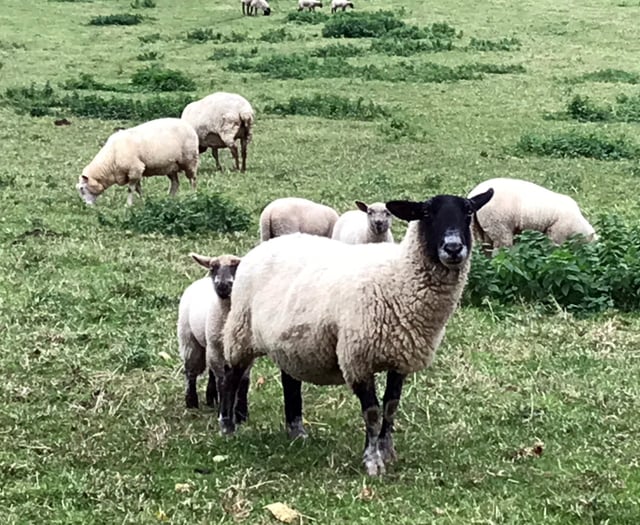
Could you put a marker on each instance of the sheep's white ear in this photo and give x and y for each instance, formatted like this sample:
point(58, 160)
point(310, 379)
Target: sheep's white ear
point(362, 206)
point(208, 262)
point(478, 201)
point(407, 210)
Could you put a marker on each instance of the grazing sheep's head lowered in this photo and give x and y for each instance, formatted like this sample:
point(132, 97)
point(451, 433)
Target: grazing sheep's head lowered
point(88, 191)
point(378, 216)
point(222, 271)
point(445, 225)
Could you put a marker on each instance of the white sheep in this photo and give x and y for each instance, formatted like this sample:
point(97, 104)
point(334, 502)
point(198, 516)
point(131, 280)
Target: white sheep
point(219, 120)
point(309, 4)
point(520, 205)
point(164, 146)
point(251, 7)
point(296, 215)
point(371, 224)
point(340, 4)
point(330, 313)
point(203, 309)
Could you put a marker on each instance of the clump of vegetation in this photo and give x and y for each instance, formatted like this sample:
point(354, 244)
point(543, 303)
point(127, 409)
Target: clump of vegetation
point(583, 109)
point(398, 128)
point(191, 214)
point(6, 45)
point(137, 4)
point(611, 76)
point(148, 39)
point(306, 17)
point(274, 36)
point(121, 19)
point(361, 25)
point(158, 78)
point(203, 35)
point(499, 69)
point(337, 50)
point(574, 144)
point(32, 100)
point(581, 277)
point(224, 52)
point(504, 44)
point(402, 47)
point(329, 106)
point(85, 81)
point(150, 55)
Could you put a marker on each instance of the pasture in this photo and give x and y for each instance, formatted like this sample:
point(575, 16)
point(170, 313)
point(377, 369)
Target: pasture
point(530, 411)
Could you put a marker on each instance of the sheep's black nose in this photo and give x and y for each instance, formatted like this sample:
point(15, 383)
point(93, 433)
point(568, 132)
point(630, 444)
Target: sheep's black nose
point(453, 248)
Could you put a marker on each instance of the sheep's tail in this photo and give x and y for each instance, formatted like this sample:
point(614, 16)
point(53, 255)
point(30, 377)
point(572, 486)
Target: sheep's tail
point(265, 227)
point(246, 120)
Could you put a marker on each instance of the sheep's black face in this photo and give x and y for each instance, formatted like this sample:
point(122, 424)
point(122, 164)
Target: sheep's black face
point(445, 224)
point(223, 279)
point(267, 11)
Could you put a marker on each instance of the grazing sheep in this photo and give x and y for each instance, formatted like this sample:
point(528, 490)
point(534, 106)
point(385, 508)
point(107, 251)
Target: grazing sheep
point(204, 307)
point(219, 120)
point(309, 4)
point(295, 215)
point(337, 4)
point(331, 313)
point(356, 227)
point(521, 205)
point(164, 146)
point(250, 7)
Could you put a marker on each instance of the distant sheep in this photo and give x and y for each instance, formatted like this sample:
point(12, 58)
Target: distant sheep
point(371, 224)
point(251, 7)
point(520, 205)
point(203, 309)
point(340, 4)
point(330, 313)
point(309, 4)
point(219, 120)
point(295, 215)
point(164, 146)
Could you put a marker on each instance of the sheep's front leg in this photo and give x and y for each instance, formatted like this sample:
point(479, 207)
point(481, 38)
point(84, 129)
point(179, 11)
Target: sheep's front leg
point(212, 390)
point(366, 392)
point(228, 395)
point(173, 189)
point(216, 157)
point(243, 153)
point(241, 410)
point(292, 391)
point(234, 153)
point(390, 403)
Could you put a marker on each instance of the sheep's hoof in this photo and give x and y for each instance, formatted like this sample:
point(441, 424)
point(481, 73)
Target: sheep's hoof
point(191, 401)
point(387, 450)
point(227, 426)
point(373, 462)
point(241, 417)
point(296, 430)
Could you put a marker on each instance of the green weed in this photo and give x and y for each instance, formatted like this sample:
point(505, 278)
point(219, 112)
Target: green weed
point(222, 53)
point(150, 55)
point(306, 17)
point(361, 25)
point(504, 44)
point(329, 106)
point(202, 35)
point(611, 76)
point(121, 19)
point(402, 47)
point(150, 38)
point(574, 144)
point(158, 78)
point(337, 50)
point(274, 36)
point(583, 109)
point(137, 4)
point(85, 81)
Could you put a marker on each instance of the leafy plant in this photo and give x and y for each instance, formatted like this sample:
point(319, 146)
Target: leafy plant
point(403, 47)
point(611, 76)
point(576, 144)
point(121, 19)
point(361, 25)
point(158, 78)
point(85, 81)
point(202, 35)
point(583, 109)
point(274, 36)
point(150, 55)
point(137, 4)
point(329, 106)
point(337, 50)
point(150, 38)
point(306, 17)
point(504, 44)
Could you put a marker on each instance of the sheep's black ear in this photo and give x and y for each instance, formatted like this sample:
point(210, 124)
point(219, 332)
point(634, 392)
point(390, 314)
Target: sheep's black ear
point(478, 201)
point(406, 210)
point(362, 206)
point(210, 263)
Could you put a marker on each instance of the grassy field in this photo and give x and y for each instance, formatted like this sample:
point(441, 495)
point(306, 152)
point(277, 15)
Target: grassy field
point(529, 414)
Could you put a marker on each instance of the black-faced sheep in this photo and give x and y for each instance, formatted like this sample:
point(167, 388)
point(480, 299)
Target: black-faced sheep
point(340, 4)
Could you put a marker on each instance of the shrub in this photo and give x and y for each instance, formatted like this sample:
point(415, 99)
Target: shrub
point(337, 50)
point(329, 106)
point(504, 44)
point(85, 81)
point(582, 109)
point(581, 277)
point(194, 213)
point(202, 35)
point(611, 76)
point(274, 36)
point(401, 47)
point(574, 144)
point(32, 100)
point(122, 19)
point(137, 4)
point(499, 69)
point(157, 78)
point(223, 53)
point(306, 17)
point(150, 55)
point(361, 25)
point(148, 39)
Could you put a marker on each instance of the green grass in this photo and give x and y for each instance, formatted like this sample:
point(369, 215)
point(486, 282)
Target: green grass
point(92, 417)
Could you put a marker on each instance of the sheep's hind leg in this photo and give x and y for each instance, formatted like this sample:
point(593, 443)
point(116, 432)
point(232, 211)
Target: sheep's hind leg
point(243, 153)
point(366, 392)
point(173, 189)
point(241, 410)
point(216, 157)
point(291, 389)
point(212, 390)
point(234, 153)
point(228, 395)
point(390, 403)
point(191, 394)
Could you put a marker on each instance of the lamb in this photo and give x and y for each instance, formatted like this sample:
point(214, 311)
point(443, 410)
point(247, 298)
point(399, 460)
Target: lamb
point(164, 146)
point(331, 313)
point(219, 120)
point(337, 4)
point(293, 215)
point(309, 4)
point(250, 7)
point(356, 227)
point(521, 205)
point(204, 307)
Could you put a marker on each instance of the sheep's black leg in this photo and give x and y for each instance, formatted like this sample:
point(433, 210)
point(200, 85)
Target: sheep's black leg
point(292, 391)
point(191, 394)
point(214, 153)
point(243, 153)
point(212, 390)
point(366, 392)
point(242, 404)
point(390, 403)
point(228, 394)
